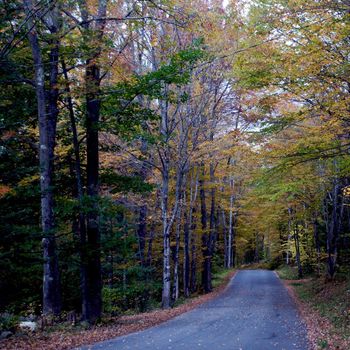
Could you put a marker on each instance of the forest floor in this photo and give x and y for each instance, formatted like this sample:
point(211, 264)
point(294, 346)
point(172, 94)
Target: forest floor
point(324, 305)
point(65, 336)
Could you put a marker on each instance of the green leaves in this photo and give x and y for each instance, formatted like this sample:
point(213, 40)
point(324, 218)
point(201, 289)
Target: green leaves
point(122, 183)
point(128, 104)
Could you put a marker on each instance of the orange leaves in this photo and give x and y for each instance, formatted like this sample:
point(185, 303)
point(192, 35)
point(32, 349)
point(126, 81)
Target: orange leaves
point(4, 190)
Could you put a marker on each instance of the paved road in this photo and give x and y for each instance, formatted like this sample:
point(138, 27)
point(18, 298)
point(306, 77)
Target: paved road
point(254, 313)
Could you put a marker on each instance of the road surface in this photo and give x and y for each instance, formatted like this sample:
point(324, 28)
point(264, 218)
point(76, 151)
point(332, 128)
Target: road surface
point(254, 313)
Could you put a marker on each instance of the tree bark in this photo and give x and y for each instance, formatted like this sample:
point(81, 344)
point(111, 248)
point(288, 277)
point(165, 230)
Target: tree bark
point(94, 283)
point(175, 295)
point(164, 206)
point(332, 232)
point(193, 279)
point(141, 233)
point(206, 270)
point(186, 265)
point(80, 195)
point(93, 104)
point(317, 244)
point(230, 227)
point(47, 117)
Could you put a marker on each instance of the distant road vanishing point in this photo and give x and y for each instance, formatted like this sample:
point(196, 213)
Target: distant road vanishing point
point(255, 312)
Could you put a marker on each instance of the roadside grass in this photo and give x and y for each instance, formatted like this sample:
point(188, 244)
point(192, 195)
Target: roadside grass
point(262, 265)
point(287, 272)
point(329, 300)
point(221, 276)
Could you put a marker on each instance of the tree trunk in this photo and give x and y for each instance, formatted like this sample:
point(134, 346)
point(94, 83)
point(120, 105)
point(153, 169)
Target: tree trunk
point(92, 85)
point(94, 283)
point(175, 295)
point(141, 233)
point(225, 237)
point(186, 266)
point(212, 224)
point(80, 194)
point(193, 280)
point(317, 245)
point(150, 243)
point(47, 117)
point(332, 232)
point(166, 241)
point(206, 271)
point(230, 227)
point(166, 296)
point(297, 251)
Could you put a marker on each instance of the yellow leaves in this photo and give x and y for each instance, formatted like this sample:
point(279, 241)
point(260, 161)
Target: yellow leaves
point(346, 191)
point(29, 180)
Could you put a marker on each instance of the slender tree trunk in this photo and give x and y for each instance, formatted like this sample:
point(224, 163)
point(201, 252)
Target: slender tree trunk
point(225, 236)
point(166, 242)
point(332, 233)
point(212, 224)
point(289, 235)
point(47, 117)
point(233, 245)
point(150, 244)
point(193, 279)
point(230, 227)
point(80, 194)
point(317, 244)
point(175, 295)
point(186, 266)
point(164, 206)
point(256, 254)
point(297, 251)
point(205, 237)
point(192, 238)
point(142, 232)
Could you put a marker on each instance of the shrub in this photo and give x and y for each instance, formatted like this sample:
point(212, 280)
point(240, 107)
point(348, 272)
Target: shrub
point(8, 322)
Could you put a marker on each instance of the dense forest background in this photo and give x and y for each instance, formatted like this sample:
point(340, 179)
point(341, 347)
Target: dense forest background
point(145, 145)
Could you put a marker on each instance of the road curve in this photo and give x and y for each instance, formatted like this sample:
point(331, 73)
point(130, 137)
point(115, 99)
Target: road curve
point(255, 312)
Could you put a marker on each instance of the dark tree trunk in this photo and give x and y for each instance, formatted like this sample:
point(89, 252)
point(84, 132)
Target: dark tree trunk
point(150, 244)
point(332, 232)
point(93, 264)
point(142, 232)
point(256, 252)
point(297, 250)
point(317, 245)
point(79, 192)
point(193, 280)
point(93, 307)
point(206, 270)
point(186, 255)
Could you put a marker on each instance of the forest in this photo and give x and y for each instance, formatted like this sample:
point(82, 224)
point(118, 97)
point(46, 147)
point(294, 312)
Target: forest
point(148, 145)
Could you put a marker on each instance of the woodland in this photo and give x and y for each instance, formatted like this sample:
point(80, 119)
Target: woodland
point(147, 144)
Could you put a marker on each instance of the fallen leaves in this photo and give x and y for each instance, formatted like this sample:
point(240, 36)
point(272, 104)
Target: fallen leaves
point(321, 332)
point(63, 340)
